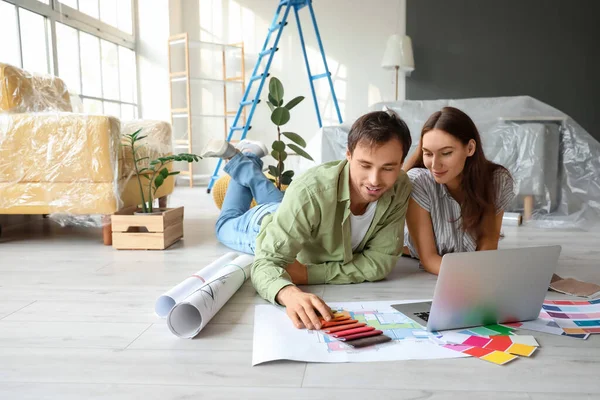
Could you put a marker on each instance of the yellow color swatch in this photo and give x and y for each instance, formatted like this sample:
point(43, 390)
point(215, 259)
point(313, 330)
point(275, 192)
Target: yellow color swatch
point(521, 349)
point(499, 357)
point(574, 331)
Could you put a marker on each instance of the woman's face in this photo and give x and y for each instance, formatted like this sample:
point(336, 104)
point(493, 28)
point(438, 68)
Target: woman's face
point(445, 156)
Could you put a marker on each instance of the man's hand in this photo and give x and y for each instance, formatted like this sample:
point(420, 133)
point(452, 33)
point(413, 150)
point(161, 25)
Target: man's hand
point(298, 273)
point(300, 307)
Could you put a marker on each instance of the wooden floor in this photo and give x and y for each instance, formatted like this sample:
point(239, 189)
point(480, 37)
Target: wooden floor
point(77, 322)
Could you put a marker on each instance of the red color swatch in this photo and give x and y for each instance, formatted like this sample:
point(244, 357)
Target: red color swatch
point(499, 343)
point(478, 351)
point(353, 331)
point(344, 327)
point(362, 335)
point(336, 323)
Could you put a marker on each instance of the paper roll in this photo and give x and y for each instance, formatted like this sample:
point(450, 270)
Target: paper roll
point(512, 219)
point(167, 301)
point(190, 316)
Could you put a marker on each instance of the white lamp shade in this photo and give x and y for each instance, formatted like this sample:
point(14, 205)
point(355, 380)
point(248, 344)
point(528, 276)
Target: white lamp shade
point(398, 53)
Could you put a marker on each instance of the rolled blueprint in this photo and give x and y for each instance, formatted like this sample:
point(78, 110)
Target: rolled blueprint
point(512, 219)
point(190, 316)
point(167, 301)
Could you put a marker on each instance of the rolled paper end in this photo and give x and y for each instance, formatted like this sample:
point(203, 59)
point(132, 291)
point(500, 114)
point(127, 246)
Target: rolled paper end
point(184, 321)
point(163, 306)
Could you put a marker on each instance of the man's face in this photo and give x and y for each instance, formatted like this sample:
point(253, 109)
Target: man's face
point(373, 170)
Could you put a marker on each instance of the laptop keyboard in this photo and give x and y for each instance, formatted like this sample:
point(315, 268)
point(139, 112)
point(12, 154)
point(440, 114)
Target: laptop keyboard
point(423, 315)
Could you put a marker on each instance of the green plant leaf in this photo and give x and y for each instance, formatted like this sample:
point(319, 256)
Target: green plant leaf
point(274, 171)
point(276, 90)
point(275, 154)
point(286, 180)
point(280, 116)
point(158, 181)
point(272, 100)
point(164, 172)
point(154, 162)
point(279, 146)
point(294, 102)
point(174, 173)
point(300, 151)
point(283, 155)
point(147, 177)
point(134, 134)
point(271, 106)
point(294, 137)
point(289, 173)
point(140, 138)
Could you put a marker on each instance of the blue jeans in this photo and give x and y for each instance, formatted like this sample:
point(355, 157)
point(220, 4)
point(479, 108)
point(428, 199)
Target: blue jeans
point(238, 225)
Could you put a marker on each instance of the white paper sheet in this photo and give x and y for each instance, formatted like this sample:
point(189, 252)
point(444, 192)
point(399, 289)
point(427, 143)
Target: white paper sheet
point(276, 338)
point(191, 315)
point(167, 301)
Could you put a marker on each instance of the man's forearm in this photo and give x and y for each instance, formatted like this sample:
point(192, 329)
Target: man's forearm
point(368, 266)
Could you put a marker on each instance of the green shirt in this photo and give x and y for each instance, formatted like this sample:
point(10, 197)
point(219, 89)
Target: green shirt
point(312, 225)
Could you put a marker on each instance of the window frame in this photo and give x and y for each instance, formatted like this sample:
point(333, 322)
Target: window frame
point(61, 13)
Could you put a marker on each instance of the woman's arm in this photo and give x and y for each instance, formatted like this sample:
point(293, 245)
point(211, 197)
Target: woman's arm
point(490, 228)
point(420, 229)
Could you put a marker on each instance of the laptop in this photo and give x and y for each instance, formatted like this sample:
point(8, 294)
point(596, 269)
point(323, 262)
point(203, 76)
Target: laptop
point(487, 287)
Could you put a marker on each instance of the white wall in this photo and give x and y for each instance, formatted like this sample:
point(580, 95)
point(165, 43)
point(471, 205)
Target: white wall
point(152, 59)
point(354, 33)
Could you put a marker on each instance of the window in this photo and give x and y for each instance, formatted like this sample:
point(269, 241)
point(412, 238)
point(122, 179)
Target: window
point(92, 51)
point(116, 13)
point(10, 52)
point(68, 56)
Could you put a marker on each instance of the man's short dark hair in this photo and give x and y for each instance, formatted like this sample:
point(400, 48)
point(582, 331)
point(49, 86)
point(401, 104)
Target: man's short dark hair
point(377, 128)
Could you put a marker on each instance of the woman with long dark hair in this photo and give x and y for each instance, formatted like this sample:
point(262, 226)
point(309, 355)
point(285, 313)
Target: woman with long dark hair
point(458, 196)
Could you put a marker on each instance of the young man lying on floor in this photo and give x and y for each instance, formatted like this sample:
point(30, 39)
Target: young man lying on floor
point(340, 222)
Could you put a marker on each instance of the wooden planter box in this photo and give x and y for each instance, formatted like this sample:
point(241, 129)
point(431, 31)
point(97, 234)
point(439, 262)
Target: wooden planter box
point(146, 232)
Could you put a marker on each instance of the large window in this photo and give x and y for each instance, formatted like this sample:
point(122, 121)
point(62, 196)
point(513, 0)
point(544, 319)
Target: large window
point(88, 43)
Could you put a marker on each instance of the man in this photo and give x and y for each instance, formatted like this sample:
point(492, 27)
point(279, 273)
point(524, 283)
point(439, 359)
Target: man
point(340, 222)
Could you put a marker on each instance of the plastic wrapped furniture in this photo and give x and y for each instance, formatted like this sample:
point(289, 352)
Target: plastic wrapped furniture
point(64, 164)
point(555, 162)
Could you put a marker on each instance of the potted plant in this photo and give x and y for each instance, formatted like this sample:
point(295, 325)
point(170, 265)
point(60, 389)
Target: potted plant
point(280, 115)
point(147, 227)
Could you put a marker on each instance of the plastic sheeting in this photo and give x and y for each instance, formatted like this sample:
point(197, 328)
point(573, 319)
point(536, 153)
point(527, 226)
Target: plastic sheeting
point(69, 165)
point(551, 157)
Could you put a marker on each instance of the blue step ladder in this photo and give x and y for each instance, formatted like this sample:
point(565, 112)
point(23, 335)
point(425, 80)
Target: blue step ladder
point(276, 28)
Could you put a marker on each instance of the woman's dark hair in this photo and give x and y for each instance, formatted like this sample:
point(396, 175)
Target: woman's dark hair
point(479, 194)
point(377, 128)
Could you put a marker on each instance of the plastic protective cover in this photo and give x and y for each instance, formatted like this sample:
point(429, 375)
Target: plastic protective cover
point(550, 156)
point(69, 165)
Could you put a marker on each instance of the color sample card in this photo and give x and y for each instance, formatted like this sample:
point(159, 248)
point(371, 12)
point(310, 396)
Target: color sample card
point(352, 331)
point(328, 324)
point(488, 330)
point(517, 345)
point(574, 317)
point(493, 356)
point(547, 325)
point(344, 327)
point(369, 341)
point(361, 335)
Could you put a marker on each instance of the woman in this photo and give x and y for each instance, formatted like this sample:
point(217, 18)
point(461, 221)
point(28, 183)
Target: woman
point(458, 196)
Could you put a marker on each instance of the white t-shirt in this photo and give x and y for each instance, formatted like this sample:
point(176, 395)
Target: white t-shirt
point(359, 224)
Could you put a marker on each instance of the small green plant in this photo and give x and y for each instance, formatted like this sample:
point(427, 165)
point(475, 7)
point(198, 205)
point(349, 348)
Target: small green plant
point(156, 172)
point(280, 115)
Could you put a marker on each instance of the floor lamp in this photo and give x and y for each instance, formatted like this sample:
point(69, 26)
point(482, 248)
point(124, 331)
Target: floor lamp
point(399, 56)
